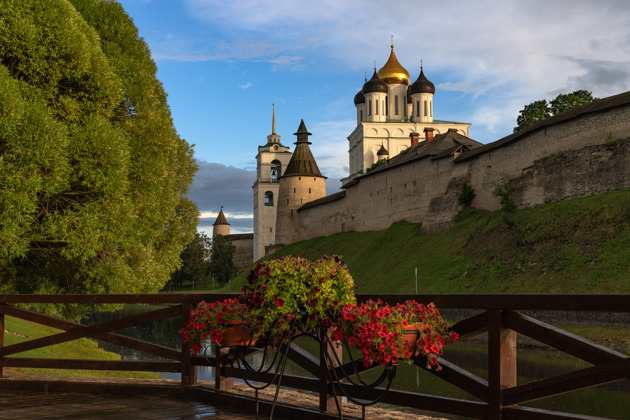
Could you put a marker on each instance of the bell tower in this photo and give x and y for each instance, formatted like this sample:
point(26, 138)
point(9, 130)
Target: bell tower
point(271, 162)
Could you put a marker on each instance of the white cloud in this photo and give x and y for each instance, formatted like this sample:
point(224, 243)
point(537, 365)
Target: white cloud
point(227, 214)
point(330, 150)
point(470, 45)
point(245, 86)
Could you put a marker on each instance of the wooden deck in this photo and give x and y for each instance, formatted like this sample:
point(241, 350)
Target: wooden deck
point(71, 405)
point(65, 398)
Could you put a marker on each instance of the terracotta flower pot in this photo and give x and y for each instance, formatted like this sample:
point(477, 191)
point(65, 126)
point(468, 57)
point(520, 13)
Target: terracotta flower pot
point(411, 336)
point(236, 335)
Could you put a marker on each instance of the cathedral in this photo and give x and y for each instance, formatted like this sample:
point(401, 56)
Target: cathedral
point(390, 113)
point(389, 109)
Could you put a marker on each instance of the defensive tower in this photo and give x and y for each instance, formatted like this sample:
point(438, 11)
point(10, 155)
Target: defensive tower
point(302, 182)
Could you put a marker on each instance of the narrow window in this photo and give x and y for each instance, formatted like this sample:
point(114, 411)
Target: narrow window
point(431, 108)
point(370, 107)
point(309, 190)
point(377, 107)
point(361, 118)
point(268, 198)
point(386, 106)
point(275, 169)
point(396, 104)
point(425, 108)
point(293, 190)
point(270, 229)
point(417, 108)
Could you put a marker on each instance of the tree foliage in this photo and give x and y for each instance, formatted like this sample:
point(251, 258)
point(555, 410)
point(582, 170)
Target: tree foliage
point(195, 265)
point(93, 176)
point(539, 110)
point(222, 262)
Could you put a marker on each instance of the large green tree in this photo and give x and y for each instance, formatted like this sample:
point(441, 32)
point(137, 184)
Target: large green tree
point(222, 262)
point(93, 176)
point(195, 264)
point(539, 110)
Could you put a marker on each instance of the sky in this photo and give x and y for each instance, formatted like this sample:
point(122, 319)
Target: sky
point(224, 63)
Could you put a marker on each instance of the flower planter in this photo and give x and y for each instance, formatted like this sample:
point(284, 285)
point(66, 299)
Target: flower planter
point(411, 337)
point(236, 335)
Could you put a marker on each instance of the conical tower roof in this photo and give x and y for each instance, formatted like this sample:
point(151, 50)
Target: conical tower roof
point(302, 161)
point(393, 71)
point(221, 220)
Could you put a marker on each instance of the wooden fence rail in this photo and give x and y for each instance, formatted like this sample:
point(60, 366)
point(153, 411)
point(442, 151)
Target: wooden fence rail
point(497, 315)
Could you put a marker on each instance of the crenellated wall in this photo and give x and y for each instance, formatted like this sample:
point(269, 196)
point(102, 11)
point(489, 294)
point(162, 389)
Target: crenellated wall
point(567, 156)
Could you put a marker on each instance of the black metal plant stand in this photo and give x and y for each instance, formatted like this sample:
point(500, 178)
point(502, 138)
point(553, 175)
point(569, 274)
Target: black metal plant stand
point(336, 370)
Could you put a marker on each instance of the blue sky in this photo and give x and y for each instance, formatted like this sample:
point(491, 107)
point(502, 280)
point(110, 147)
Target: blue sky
point(223, 64)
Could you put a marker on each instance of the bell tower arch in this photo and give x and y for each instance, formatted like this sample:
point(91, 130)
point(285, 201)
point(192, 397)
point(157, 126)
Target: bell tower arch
point(271, 162)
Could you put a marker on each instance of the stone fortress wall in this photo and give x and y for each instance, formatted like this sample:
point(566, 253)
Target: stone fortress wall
point(578, 153)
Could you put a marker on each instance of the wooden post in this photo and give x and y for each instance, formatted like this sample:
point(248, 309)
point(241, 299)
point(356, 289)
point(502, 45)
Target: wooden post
point(326, 399)
point(189, 372)
point(501, 362)
point(1, 337)
point(220, 381)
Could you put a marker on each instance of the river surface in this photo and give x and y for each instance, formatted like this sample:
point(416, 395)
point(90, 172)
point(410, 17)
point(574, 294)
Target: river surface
point(610, 400)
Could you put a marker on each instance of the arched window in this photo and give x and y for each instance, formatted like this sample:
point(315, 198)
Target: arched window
point(268, 198)
point(276, 168)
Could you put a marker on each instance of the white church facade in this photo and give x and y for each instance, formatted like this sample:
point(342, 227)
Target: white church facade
point(388, 110)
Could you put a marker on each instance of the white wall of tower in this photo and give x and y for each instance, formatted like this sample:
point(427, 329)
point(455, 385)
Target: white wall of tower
point(375, 105)
point(266, 190)
point(397, 102)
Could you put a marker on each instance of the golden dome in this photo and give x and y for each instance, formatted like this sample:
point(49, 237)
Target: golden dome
point(392, 71)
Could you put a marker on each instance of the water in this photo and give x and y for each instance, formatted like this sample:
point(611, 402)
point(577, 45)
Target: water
point(609, 400)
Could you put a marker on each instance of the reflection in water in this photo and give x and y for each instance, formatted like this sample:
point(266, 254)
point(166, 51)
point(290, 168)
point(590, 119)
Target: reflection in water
point(610, 400)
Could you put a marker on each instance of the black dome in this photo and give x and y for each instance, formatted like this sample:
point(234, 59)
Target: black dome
point(375, 84)
point(359, 98)
point(422, 85)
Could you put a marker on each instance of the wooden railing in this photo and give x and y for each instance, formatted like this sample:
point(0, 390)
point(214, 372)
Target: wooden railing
point(497, 315)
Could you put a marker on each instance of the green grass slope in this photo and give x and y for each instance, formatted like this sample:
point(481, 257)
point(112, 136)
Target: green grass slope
point(576, 246)
point(18, 331)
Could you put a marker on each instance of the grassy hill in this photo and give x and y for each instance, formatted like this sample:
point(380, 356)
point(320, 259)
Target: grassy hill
point(576, 246)
point(18, 331)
